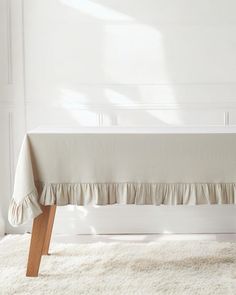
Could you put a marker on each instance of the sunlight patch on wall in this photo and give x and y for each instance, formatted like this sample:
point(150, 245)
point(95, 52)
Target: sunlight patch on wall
point(135, 55)
point(169, 117)
point(72, 99)
point(116, 98)
point(81, 117)
point(97, 10)
point(84, 118)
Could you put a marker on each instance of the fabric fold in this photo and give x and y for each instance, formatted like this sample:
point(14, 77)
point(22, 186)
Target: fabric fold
point(137, 193)
point(21, 213)
point(81, 194)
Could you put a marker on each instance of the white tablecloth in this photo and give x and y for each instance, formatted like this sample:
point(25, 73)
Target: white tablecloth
point(113, 166)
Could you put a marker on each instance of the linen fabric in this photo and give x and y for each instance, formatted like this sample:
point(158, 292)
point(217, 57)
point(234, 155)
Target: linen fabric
point(125, 168)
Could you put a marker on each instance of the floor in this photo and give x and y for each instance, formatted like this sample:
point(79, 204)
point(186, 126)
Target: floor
point(84, 239)
point(174, 264)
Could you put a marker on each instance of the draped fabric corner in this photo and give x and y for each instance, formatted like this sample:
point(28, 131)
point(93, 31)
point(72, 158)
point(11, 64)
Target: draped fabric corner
point(21, 213)
point(120, 193)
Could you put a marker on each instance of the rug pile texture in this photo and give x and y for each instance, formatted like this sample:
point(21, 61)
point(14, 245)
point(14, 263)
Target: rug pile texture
point(163, 267)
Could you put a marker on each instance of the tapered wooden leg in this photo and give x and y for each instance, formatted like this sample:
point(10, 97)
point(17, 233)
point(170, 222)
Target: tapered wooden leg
point(37, 241)
point(49, 230)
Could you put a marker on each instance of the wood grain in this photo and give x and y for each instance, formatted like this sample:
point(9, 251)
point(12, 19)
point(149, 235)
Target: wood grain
point(47, 240)
point(39, 232)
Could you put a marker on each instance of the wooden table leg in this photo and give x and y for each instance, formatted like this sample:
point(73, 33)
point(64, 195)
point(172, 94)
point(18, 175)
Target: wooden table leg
point(49, 230)
point(38, 236)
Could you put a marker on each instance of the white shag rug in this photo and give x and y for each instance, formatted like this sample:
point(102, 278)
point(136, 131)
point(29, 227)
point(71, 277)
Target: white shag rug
point(165, 267)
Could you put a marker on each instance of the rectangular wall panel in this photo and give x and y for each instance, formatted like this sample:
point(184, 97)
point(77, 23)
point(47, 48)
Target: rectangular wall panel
point(87, 42)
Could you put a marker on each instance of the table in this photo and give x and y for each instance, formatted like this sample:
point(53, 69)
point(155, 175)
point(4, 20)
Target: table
point(118, 166)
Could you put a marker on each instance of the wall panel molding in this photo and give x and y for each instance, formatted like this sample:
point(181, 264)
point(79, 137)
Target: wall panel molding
point(6, 104)
point(140, 106)
point(11, 150)
point(9, 43)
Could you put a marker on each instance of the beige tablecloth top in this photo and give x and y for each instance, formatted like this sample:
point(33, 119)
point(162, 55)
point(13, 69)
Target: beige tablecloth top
point(145, 166)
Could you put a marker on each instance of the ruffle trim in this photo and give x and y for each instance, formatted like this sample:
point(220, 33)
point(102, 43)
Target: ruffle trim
point(137, 193)
point(120, 193)
point(19, 214)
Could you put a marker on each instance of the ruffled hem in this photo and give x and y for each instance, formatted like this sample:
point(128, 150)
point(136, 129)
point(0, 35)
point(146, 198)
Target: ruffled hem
point(137, 193)
point(62, 194)
point(19, 214)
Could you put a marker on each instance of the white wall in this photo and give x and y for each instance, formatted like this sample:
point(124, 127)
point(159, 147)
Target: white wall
point(12, 107)
point(130, 62)
point(125, 63)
